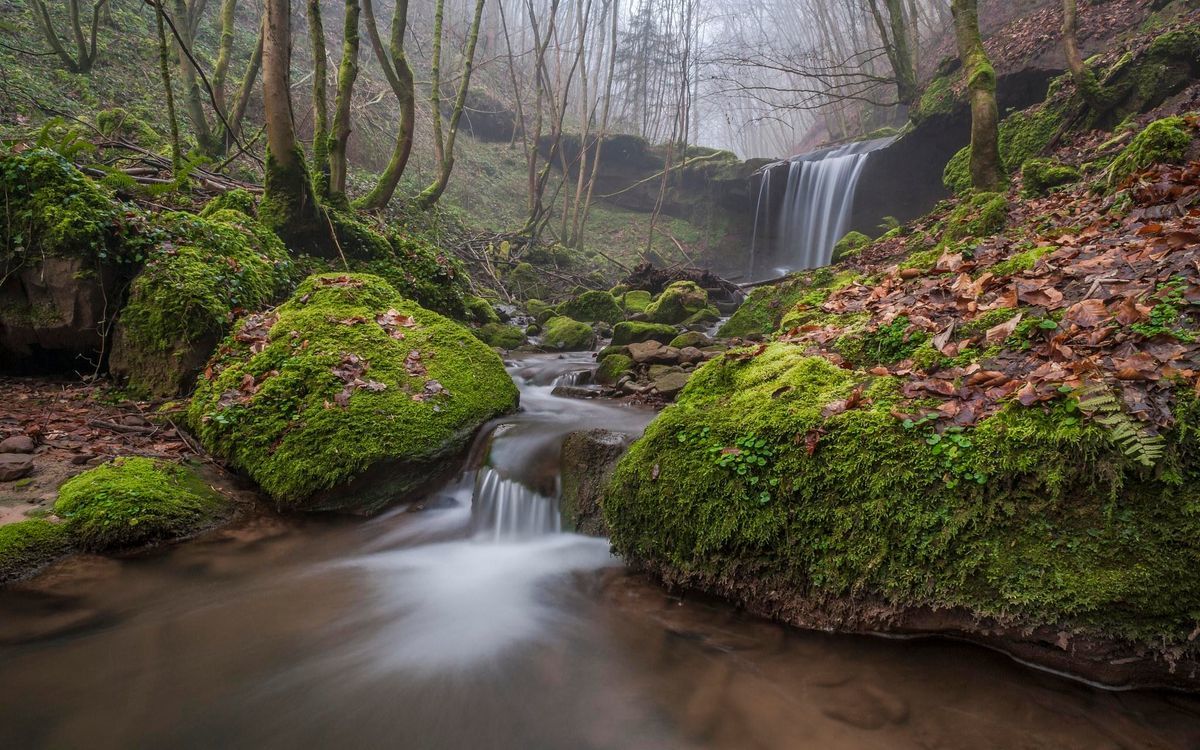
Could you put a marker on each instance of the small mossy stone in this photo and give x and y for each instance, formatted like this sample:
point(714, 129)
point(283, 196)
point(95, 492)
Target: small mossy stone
point(1163, 141)
point(563, 334)
point(500, 336)
point(849, 245)
point(636, 300)
point(1039, 176)
point(983, 215)
point(612, 368)
point(238, 200)
point(689, 338)
point(481, 312)
point(539, 311)
point(345, 377)
point(703, 317)
point(25, 546)
point(678, 302)
point(129, 502)
point(592, 307)
point(636, 332)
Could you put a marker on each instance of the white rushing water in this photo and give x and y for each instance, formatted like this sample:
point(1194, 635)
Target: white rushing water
point(817, 203)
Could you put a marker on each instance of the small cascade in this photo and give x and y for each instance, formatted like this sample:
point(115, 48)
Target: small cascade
point(817, 203)
point(762, 211)
point(505, 510)
point(574, 378)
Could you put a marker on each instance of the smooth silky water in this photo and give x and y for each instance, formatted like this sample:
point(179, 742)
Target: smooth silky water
point(470, 621)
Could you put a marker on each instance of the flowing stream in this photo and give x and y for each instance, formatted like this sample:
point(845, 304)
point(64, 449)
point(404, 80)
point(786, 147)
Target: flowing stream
point(471, 621)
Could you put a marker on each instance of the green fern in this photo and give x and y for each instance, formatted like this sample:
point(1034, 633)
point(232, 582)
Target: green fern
point(1135, 439)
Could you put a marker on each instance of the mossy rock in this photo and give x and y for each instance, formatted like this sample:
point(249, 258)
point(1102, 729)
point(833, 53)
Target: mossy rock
point(187, 296)
point(49, 208)
point(421, 271)
point(1023, 135)
point(850, 245)
point(694, 339)
point(678, 302)
point(539, 311)
point(612, 368)
point(117, 122)
point(26, 546)
point(636, 332)
point(525, 281)
point(500, 336)
point(592, 307)
point(563, 334)
point(766, 307)
point(1164, 141)
point(130, 502)
point(480, 311)
point(1039, 519)
point(1039, 176)
point(234, 200)
point(347, 385)
point(983, 215)
point(636, 300)
point(705, 317)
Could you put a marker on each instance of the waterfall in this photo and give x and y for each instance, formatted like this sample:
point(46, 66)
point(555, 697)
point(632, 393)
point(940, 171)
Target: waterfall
point(761, 213)
point(817, 203)
point(504, 509)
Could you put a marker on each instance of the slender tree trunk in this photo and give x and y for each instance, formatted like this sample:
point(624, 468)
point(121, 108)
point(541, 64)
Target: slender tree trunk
point(320, 99)
point(400, 77)
point(193, 104)
point(164, 69)
point(986, 170)
point(224, 51)
point(445, 151)
point(608, 90)
point(288, 204)
point(244, 92)
point(347, 73)
point(1085, 79)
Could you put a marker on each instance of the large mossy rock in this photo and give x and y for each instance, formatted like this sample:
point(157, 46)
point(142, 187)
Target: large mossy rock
point(681, 302)
point(183, 302)
point(636, 332)
point(130, 502)
point(799, 295)
point(63, 258)
point(563, 334)
point(771, 483)
point(593, 307)
point(28, 545)
point(348, 396)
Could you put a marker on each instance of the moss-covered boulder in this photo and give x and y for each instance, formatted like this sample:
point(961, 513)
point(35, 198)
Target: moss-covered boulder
point(636, 301)
point(26, 546)
point(1023, 135)
point(677, 303)
point(694, 339)
point(635, 332)
point(592, 307)
point(500, 336)
point(765, 309)
point(1163, 141)
point(1039, 176)
point(612, 368)
point(786, 474)
point(347, 385)
point(481, 312)
point(130, 502)
point(849, 245)
point(563, 334)
point(188, 294)
point(982, 215)
point(539, 310)
point(423, 272)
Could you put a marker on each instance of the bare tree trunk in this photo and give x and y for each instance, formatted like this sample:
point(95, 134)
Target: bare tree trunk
point(1085, 79)
point(400, 77)
point(581, 227)
point(445, 150)
point(193, 104)
point(986, 171)
point(245, 89)
point(347, 73)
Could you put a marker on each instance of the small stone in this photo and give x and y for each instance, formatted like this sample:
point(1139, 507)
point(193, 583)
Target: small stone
point(691, 354)
point(82, 458)
point(96, 460)
point(14, 466)
point(17, 444)
point(133, 420)
point(669, 385)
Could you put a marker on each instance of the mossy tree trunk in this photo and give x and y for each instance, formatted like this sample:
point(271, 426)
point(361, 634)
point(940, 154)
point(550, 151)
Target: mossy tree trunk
point(320, 99)
point(1085, 79)
point(289, 206)
point(245, 90)
point(986, 171)
point(164, 70)
point(85, 42)
point(444, 149)
point(399, 75)
point(347, 73)
point(193, 104)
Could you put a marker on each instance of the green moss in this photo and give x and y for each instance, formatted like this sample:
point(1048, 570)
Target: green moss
point(1023, 261)
point(689, 338)
point(612, 368)
point(678, 302)
point(938, 97)
point(480, 311)
point(984, 215)
point(116, 122)
point(635, 332)
point(27, 545)
point(850, 245)
point(1163, 141)
point(423, 272)
point(883, 345)
point(566, 335)
point(49, 208)
point(1040, 175)
point(1023, 135)
point(500, 336)
point(189, 292)
point(636, 300)
point(129, 502)
point(922, 260)
point(525, 281)
point(234, 200)
point(345, 376)
point(591, 307)
point(540, 311)
point(1064, 529)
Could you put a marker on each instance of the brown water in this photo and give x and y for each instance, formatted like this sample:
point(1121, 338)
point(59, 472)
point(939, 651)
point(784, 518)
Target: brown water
point(419, 630)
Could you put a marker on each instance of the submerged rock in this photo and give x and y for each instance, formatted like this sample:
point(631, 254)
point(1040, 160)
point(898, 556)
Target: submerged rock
point(586, 464)
point(347, 397)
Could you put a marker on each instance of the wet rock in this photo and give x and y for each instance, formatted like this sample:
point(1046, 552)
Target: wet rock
point(691, 339)
point(586, 463)
point(691, 354)
point(654, 353)
point(14, 466)
point(669, 385)
point(17, 444)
